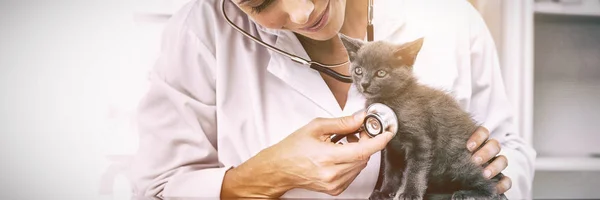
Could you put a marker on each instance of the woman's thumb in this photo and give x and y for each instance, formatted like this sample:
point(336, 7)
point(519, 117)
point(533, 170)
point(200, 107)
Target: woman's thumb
point(340, 125)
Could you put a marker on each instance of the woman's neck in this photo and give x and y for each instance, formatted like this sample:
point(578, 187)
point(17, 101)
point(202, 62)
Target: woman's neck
point(355, 25)
point(332, 51)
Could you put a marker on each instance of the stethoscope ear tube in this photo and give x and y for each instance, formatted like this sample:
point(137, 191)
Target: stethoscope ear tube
point(370, 30)
point(313, 64)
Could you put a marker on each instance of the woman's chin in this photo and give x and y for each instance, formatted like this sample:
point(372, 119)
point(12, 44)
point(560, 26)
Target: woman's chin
point(328, 32)
point(319, 36)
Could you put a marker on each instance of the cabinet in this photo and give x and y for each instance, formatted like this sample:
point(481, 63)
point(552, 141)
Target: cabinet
point(550, 57)
point(567, 91)
point(550, 53)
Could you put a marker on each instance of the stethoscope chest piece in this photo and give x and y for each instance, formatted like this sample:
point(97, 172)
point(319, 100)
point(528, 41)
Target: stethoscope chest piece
point(380, 118)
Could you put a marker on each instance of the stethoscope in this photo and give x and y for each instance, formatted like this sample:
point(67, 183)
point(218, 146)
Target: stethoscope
point(379, 117)
point(324, 68)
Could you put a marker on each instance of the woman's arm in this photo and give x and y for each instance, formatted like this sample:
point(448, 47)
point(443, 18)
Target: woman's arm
point(177, 153)
point(306, 159)
point(489, 104)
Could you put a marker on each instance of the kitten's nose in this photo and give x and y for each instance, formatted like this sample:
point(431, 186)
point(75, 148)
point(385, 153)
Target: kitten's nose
point(365, 85)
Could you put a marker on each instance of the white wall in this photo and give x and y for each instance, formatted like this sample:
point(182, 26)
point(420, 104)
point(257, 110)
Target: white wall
point(71, 72)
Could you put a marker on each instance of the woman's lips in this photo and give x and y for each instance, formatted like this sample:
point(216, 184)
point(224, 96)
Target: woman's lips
point(320, 23)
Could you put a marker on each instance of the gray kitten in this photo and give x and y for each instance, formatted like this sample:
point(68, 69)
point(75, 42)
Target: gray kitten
point(428, 157)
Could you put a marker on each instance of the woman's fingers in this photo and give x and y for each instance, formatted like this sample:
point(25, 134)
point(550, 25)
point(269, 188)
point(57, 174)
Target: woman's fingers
point(489, 150)
point(338, 185)
point(340, 126)
point(349, 178)
point(362, 150)
point(504, 185)
point(495, 167)
point(335, 178)
point(477, 138)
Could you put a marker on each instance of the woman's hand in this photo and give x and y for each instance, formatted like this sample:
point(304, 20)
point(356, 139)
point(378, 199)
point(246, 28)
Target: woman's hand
point(306, 159)
point(486, 150)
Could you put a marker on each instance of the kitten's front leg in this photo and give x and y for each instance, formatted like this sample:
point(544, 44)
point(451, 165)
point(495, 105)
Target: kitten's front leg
point(414, 180)
point(391, 173)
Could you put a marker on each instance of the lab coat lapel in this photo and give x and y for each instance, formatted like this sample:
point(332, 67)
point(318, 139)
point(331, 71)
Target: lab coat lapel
point(302, 78)
point(309, 82)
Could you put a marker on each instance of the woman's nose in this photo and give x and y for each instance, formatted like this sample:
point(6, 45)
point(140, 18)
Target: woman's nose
point(299, 10)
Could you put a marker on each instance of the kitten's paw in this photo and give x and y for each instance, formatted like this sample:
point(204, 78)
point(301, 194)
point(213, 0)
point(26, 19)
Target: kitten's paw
point(461, 196)
point(377, 195)
point(408, 196)
point(470, 195)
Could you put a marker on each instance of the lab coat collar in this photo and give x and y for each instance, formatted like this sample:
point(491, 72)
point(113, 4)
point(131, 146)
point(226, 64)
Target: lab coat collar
point(302, 78)
point(309, 82)
point(267, 30)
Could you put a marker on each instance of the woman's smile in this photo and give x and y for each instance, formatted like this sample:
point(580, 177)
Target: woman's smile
point(321, 21)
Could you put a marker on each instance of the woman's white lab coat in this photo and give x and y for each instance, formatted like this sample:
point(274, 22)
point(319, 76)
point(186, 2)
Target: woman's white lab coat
point(216, 98)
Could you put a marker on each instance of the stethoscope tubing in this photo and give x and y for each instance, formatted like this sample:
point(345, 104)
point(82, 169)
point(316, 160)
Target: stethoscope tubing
point(323, 68)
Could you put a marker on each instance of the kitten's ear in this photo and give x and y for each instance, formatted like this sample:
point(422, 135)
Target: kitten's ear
point(408, 51)
point(352, 45)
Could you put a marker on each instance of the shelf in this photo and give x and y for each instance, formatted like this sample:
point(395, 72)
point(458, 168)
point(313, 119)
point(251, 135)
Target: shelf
point(567, 164)
point(568, 7)
point(565, 92)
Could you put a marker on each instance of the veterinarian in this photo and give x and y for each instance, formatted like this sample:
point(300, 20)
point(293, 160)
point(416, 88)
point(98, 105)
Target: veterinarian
point(227, 117)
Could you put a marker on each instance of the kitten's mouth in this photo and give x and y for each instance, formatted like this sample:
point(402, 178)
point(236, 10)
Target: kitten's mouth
point(369, 93)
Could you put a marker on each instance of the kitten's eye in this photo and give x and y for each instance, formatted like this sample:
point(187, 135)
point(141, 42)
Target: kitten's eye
point(381, 73)
point(358, 71)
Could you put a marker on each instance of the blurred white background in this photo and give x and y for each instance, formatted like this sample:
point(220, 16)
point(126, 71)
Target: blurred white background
point(73, 71)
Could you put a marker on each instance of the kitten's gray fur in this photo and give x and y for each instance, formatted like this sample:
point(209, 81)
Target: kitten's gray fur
point(428, 155)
